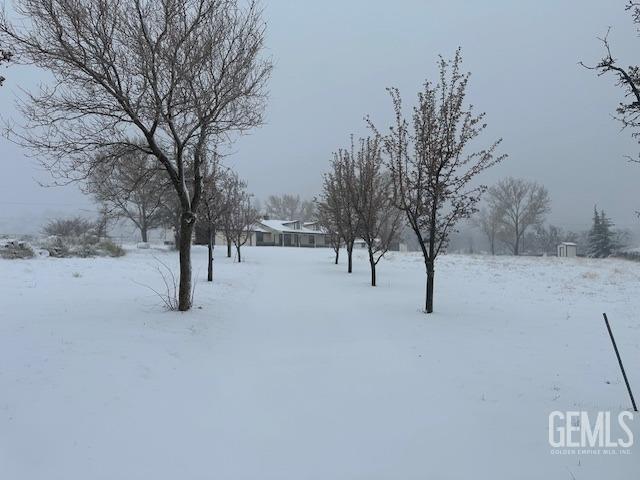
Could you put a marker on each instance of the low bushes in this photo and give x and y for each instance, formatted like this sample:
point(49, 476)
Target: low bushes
point(13, 250)
point(83, 247)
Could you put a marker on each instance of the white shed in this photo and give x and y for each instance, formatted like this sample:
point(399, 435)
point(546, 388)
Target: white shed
point(567, 249)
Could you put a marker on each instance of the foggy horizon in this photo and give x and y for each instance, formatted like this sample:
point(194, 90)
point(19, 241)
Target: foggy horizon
point(332, 65)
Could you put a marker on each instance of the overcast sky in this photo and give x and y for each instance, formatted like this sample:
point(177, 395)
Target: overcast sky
point(334, 58)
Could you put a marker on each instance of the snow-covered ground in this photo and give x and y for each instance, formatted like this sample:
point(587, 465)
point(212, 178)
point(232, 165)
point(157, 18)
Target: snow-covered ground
point(288, 368)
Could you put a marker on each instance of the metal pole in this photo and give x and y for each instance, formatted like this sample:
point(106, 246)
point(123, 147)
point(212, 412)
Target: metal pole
point(624, 375)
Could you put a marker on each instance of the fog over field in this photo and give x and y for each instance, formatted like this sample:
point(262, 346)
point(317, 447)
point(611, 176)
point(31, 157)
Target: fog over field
point(333, 60)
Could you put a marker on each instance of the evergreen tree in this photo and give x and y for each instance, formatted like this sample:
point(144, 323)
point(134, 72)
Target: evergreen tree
point(601, 236)
point(594, 234)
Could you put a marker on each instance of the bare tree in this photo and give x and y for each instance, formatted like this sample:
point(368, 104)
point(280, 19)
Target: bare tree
point(177, 73)
point(523, 204)
point(216, 192)
point(328, 221)
point(105, 216)
point(338, 187)
point(489, 221)
point(378, 217)
point(628, 78)
point(546, 239)
point(431, 165)
point(133, 186)
point(5, 56)
point(241, 214)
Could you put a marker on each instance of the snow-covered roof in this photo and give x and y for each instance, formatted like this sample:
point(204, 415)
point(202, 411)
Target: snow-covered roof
point(287, 226)
point(257, 228)
point(571, 244)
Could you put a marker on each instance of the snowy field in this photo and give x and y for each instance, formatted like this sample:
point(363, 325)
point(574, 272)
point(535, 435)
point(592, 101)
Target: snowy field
point(288, 368)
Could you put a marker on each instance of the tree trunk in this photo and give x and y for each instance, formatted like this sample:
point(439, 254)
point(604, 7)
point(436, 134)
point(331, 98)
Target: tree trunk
point(430, 275)
point(144, 234)
point(350, 258)
point(337, 255)
point(210, 249)
point(239, 257)
point(373, 269)
point(228, 248)
point(187, 222)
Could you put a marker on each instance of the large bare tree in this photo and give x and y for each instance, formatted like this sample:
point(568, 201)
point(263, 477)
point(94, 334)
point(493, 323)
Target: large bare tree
point(132, 186)
point(177, 73)
point(432, 163)
point(627, 77)
point(378, 217)
point(523, 204)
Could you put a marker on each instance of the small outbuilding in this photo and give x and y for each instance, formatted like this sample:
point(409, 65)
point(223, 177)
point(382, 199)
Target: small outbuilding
point(567, 249)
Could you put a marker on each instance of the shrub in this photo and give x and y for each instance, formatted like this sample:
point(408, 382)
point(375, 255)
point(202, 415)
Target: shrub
point(19, 251)
point(69, 227)
point(84, 251)
point(57, 248)
point(84, 247)
point(111, 249)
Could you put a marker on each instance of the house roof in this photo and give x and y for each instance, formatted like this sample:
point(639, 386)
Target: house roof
point(285, 226)
point(571, 244)
point(257, 228)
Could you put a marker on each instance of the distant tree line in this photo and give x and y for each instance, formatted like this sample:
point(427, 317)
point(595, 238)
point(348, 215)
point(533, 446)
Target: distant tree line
point(513, 221)
point(289, 207)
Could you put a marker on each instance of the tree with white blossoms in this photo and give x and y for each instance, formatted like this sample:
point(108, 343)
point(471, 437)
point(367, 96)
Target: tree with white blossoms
point(432, 163)
point(378, 217)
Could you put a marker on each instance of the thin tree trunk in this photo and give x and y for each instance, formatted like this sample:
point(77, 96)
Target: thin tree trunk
point(337, 254)
point(239, 257)
point(210, 249)
point(350, 258)
point(373, 269)
point(430, 279)
point(144, 234)
point(228, 248)
point(187, 222)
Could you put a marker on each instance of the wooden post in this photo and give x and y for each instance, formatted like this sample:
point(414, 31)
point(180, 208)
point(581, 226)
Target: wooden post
point(624, 375)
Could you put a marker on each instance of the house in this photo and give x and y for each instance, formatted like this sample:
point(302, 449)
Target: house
point(289, 233)
point(567, 249)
